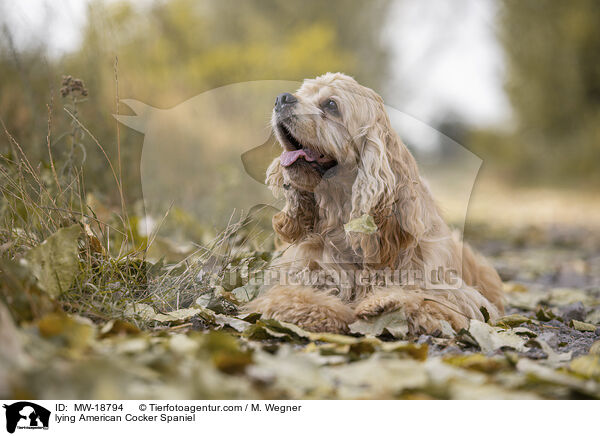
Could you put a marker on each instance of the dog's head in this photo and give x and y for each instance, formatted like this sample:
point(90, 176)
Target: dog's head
point(333, 131)
point(322, 126)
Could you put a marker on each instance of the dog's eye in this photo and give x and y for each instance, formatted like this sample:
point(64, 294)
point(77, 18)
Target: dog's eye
point(331, 106)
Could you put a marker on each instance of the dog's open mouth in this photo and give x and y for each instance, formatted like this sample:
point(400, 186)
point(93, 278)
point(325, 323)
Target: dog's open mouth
point(295, 150)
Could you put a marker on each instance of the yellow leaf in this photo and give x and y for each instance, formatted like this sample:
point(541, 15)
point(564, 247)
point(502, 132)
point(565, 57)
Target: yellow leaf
point(67, 330)
point(583, 326)
point(364, 224)
point(587, 366)
point(55, 262)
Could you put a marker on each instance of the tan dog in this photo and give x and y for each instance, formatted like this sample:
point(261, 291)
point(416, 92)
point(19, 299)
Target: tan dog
point(342, 161)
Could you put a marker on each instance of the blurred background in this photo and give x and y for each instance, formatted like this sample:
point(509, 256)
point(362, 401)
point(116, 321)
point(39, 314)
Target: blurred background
point(515, 82)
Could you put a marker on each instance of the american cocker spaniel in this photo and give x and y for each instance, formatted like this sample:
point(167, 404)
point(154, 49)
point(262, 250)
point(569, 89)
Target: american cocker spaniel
point(364, 235)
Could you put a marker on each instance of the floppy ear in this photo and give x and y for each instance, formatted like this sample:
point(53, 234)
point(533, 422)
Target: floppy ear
point(375, 174)
point(298, 215)
point(388, 187)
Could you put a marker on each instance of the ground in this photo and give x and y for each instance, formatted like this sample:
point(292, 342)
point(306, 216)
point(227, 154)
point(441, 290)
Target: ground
point(78, 323)
point(546, 347)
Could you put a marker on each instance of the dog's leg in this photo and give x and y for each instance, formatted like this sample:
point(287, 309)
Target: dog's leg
point(425, 309)
point(307, 307)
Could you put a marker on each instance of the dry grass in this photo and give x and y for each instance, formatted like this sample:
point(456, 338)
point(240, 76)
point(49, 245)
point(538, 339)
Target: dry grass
point(39, 199)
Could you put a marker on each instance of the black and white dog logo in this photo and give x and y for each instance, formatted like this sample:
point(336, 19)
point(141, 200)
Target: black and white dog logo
point(26, 415)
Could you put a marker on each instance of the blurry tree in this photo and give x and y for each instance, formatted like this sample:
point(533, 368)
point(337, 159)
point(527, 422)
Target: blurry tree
point(25, 81)
point(552, 49)
point(169, 51)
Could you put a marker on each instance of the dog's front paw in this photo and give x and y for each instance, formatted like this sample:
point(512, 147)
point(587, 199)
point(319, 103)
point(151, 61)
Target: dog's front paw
point(377, 305)
point(308, 308)
point(424, 315)
point(323, 324)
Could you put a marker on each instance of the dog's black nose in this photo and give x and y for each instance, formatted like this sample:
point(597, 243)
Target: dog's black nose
point(283, 100)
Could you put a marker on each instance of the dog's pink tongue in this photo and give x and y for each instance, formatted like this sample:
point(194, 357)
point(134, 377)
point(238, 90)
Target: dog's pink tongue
point(289, 157)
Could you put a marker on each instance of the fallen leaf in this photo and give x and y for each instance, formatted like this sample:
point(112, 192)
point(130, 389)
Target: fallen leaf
point(553, 358)
point(527, 300)
point(447, 330)
point(583, 326)
point(587, 366)
point(514, 287)
point(19, 288)
point(118, 327)
point(235, 323)
point(334, 338)
point(544, 314)
point(566, 296)
point(593, 317)
point(245, 293)
point(394, 322)
point(204, 300)
point(513, 320)
point(478, 362)
point(485, 313)
point(298, 375)
point(55, 262)
point(377, 377)
point(177, 315)
point(491, 339)
point(544, 374)
point(270, 328)
point(183, 344)
point(524, 331)
point(139, 310)
point(217, 301)
point(416, 351)
point(93, 241)
point(364, 224)
point(71, 331)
